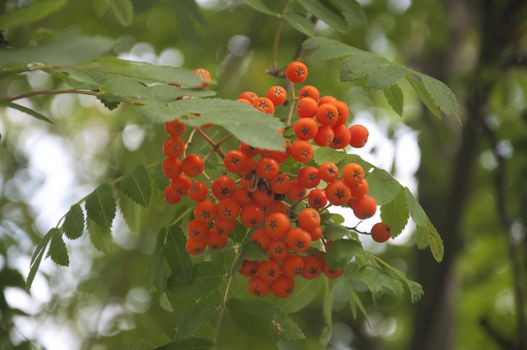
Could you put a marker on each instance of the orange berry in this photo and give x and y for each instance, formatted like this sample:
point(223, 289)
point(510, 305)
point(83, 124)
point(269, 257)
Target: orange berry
point(293, 266)
point(316, 234)
point(298, 239)
point(171, 196)
point(317, 199)
point(312, 267)
point(216, 241)
point(225, 227)
point(296, 191)
point(301, 151)
point(328, 172)
point(325, 136)
point(249, 151)
point(330, 272)
point(248, 96)
point(277, 207)
point(206, 211)
point(249, 268)
point(278, 250)
point(338, 193)
point(327, 114)
point(195, 247)
point(307, 107)
point(360, 189)
point(267, 168)
point(277, 94)
point(251, 215)
point(265, 105)
point(258, 286)
point(283, 287)
point(263, 198)
point(228, 209)
point(341, 137)
point(171, 167)
point(380, 232)
point(223, 187)
point(242, 196)
point(198, 229)
point(175, 128)
point(343, 110)
point(277, 225)
point(269, 270)
point(173, 147)
point(192, 165)
point(364, 207)
point(352, 174)
point(305, 128)
point(280, 184)
point(180, 185)
point(309, 91)
point(308, 177)
point(296, 72)
point(358, 136)
point(197, 191)
point(261, 238)
point(235, 161)
point(326, 99)
point(309, 219)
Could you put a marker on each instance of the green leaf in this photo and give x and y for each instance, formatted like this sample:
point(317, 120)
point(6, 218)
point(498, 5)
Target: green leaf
point(26, 110)
point(133, 213)
point(441, 94)
point(386, 76)
point(352, 12)
point(394, 96)
point(329, 15)
point(423, 94)
point(416, 211)
point(382, 186)
point(383, 285)
point(206, 279)
point(327, 306)
point(436, 243)
point(100, 237)
point(415, 289)
point(333, 232)
point(197, 315)
point(253, 252)
point(354, 300)
point(137, 186)
point(360, 64)
point(100, 7)
point(323, 49)
point(395, 213)
point(65, 48)
point(157, 271)
point(301, 23)
point(261, 319)
point(188, 344)
point(421, 236)
point(177, 256)
point(123, 11)
point(74, 222)
point(260, 6)
point(57, 249)
point(30, 13)
point(341, 252)
point(36, 259)
point(100, 205)
point(109, 101)
point(305, 292)
point(326, 154)
point(244, 122)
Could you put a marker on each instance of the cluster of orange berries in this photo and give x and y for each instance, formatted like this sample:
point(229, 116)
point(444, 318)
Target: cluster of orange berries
point(261, 197)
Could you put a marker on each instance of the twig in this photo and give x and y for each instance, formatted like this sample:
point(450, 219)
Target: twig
point(54, 92)
point(277, 34)
point(492, 332)
point(213, 143)
point(189, 142)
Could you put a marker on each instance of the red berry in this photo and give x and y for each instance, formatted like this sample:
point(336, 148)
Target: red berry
point(296, 72)
point(277, 94)
point(358, 136)
point(380, 232)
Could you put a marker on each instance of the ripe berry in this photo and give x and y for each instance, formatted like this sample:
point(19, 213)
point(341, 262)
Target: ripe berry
point(326, 99)
point(249, 268)
point(242, 196)
point(175, 128)
point(206, 211)
point(305, 128)
point(312, 267)
point(203, 73)
point(328, 172)
point(343, 110)
point(352, 174)
point(171, 196)
point(235, 161)
point(316, 234)
point(198, 229)
point(277, 207)
point(298, 239)
point(296, 72)
point(380, 232)
point(197, 191)
point(364, 207)
point(325, 136)
point(296, 191)
point(171, 167)
point(249, 96)
point(267, 168)
point(309, 219)
point(301, 151)
point(280, 184)
point(358, 136)
point(283, 287)
point(278, 250)
point(327, 114)
point(308, 177)
point(173, 147)
point(341, 136)
point(277, 94)
point(249, 151)
point(223, 187)
point(293, 266)
point(180, 185)
point(277, 225)
point(269, 270)
point(261, 238)
point(192, 165)
point(317, 199)
point(225, 227)
point(360, 189)
point(338, 193)
point(307, 107)
point(265, 105)
point(228, 209)
point(251, 215)
point(258, 286)
point(263, 198)
point(196, 247)
point(216, 241)
point(330, 272)
point(309, 91)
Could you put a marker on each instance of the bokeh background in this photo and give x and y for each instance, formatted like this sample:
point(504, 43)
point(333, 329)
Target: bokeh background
point(469, 175)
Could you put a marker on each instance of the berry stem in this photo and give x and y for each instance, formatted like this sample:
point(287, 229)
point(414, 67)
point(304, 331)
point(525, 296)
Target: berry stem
point(230, 275)
point(189, 142)
point(294, 102)
point(299, 201)
point(215, 146)
point(277, 35)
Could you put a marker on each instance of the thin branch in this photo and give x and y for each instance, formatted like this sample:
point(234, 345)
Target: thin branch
point(496, 335)
point(189, 142)
point(54, 92)
point(277, 35)
point(213, 143)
